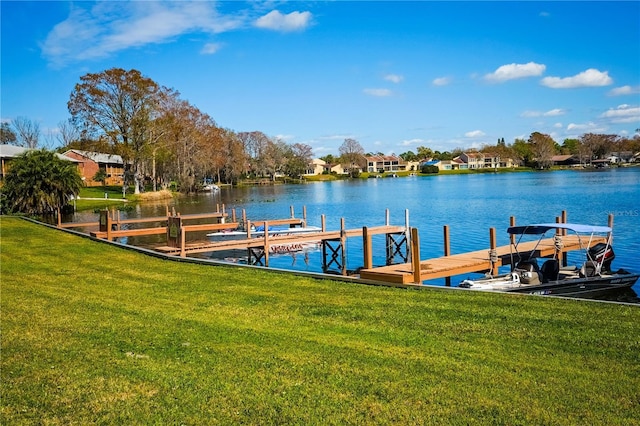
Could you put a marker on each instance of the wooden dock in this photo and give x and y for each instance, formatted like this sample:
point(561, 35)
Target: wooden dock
point(472, 262)
point(403, 265)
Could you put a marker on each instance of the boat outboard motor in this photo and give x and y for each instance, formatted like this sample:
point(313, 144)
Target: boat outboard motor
point(602, 251)
point(529, 272)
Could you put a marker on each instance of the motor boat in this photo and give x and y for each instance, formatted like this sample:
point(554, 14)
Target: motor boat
point(591, 278)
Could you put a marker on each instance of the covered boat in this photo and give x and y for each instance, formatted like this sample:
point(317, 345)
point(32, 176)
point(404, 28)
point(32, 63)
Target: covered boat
point(273, 231)
point(593, 277)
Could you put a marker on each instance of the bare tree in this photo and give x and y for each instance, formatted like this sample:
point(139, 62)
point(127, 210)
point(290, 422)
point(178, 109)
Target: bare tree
point(67, 133)
point(27, 132)
point(351, 153)
point(543, 148)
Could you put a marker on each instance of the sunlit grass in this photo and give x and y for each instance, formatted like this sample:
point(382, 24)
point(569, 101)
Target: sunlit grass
point(97, 334)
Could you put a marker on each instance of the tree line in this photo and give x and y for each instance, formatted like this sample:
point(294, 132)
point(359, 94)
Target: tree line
point(163, 139)
point(538, 150)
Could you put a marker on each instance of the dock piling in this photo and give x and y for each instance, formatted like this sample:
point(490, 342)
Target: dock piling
point(415, 255)
point(447, 250)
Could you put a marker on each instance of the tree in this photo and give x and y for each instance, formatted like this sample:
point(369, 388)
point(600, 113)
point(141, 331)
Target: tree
point(40, 182)
point(329, 159)
point(409, 156)
point(298, 158)
point(27, 132)
point(7, 135)
point(256, 146)
point(424, 153)
point(100, 176)
point(522, 151)
point(118, 104)
point(543, 148)
point(570, 146)
point(67, 133)
point(351, 153)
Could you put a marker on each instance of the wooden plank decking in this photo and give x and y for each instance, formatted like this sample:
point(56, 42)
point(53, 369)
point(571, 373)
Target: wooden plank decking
point(476, 261)
point(246, 243)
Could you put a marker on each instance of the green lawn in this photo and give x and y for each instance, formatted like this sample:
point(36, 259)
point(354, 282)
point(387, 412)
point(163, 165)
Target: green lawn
point(94, 334)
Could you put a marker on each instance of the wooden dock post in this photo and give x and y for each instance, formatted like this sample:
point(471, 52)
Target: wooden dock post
point(59, 217)
point(292, 212)
point(266, 244)
point(557, 239)
point(407, 234)
point(343, 246)
point(512, 237)
point(174, 229)
point(304, 216)
point(183, 240)
point(367, 248)
point(447, 250)
point(221, 218)
point(493, 257)
point(248, 228)
point(323, 223)
point(415, 255)
point(233, 215)
point(386, 217)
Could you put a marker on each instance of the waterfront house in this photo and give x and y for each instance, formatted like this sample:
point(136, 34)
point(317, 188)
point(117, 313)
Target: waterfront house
point(565, 160)
point(9, 152)
point(92, 162)
point(316, 167)
point(385, 163)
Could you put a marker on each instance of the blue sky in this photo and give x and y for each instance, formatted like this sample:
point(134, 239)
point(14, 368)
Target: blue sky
point(392, 75)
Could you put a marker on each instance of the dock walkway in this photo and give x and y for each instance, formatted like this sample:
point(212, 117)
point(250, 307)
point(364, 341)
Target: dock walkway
point(471, 262)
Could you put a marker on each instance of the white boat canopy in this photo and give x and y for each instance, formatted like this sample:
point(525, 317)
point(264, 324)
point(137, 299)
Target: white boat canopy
point(541, 228)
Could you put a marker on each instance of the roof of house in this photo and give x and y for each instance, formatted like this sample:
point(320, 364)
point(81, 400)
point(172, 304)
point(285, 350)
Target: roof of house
point(378, 158)
point(98, 157)
point(12, 151)
point(561, 157)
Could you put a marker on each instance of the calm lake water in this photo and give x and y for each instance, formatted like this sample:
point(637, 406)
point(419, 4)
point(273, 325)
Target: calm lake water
point(468, 204)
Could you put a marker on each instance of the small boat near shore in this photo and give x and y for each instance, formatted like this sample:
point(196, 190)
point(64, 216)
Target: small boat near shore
point(272, 231)
point(593, 278)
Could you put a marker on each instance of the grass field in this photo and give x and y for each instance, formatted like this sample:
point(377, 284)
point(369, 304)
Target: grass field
point(94, 334)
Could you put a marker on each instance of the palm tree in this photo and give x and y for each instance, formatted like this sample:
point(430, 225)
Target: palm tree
point(40, 182)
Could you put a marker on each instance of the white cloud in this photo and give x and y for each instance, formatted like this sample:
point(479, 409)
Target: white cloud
point(411, 142)
point(554, 112)
point(394, 78)
point(378, 92)
point(624, 90)
point(514, 71)
point(441, 81)
point(110, 27)
point(622, 114)
point(274, 20)
point(558, 125)
point(211, 48)
point(589, 78)
point(586, 127)
point(531, 114)
point(475, 134)
point(551, 113)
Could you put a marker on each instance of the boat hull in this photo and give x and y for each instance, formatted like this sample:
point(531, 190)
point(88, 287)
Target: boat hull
point(579, 287)
point(589, 288)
